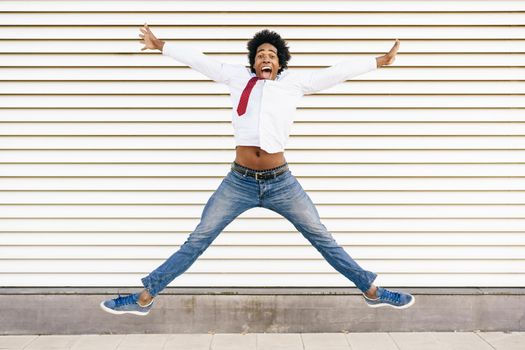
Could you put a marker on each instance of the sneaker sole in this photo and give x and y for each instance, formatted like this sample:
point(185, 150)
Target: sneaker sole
point(115, 312)
point(393, 306)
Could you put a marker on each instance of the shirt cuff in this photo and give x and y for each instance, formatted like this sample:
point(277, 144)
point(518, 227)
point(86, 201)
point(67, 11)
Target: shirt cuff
point(166, 48)
point(373, 63)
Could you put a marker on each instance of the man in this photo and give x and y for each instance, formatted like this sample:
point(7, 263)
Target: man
point(265, 97)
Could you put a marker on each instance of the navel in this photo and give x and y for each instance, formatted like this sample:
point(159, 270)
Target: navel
point(257, 153)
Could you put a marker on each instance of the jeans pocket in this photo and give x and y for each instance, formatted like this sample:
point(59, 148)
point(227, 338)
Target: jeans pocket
point(235, 174)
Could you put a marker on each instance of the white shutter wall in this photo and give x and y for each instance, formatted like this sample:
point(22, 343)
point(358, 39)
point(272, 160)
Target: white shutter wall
point(108, 153)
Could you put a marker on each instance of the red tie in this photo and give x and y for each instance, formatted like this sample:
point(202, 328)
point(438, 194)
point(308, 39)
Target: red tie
point(243, 102)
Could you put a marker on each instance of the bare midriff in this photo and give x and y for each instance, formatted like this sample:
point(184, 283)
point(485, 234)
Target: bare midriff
point(254, 157)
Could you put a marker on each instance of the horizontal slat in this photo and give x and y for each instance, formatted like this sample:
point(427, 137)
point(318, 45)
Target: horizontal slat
point(319, 197)
point(263, 252)
point(293, 156)
point(325, 211)
point(299, 60)
point(268, 224)
point(224, 128)
point(350, 47)
point(235, 238)
point(224, 101)
point(227, 142)
point(267, 266)
point(285, 6)
point(171, 183)
point(303, 114)
point(345, 31)
point(334, 170)
point(205, 88)
point(261, 17)
point(182, 73)
point(266, 280)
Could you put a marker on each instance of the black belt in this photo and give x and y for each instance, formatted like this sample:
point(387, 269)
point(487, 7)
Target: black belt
point(260, 174)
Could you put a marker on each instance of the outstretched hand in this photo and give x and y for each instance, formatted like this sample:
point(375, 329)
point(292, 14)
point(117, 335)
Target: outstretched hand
point(148, 39)
point(389, 57)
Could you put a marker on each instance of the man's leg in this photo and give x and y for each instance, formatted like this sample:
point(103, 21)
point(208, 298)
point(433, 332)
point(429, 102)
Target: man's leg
point(232, 197)
point(288, 198)
point(291, 201)
point(226, 203)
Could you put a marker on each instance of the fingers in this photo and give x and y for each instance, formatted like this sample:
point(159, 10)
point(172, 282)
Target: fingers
point(145, 30)
point(394, 48)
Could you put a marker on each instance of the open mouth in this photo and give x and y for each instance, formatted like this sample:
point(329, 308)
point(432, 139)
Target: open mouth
point(266, 72)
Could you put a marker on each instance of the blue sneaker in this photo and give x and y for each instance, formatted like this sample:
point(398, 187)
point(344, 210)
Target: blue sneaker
point(385, 297)
point(126, 305)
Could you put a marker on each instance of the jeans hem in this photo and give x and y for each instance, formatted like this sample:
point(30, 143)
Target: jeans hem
point(147, 287)
point(364, 289)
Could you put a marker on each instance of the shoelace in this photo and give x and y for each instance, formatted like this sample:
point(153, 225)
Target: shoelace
point(124, 300)
point(392, 296)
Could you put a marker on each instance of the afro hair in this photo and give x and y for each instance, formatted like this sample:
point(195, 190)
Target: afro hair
point(270, 37)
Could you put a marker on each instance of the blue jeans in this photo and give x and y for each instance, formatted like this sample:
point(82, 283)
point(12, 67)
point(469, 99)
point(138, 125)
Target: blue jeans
point(238, 193)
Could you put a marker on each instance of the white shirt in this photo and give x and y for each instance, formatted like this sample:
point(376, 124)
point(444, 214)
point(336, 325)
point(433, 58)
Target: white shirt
point(272, 104)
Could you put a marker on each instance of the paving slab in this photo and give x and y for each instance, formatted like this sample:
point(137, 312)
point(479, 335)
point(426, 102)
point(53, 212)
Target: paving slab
point(227, 341)
point(189, 342)
point(504, 340)
point(461, 341)
point(98, 341)
point(368, 341)
point(143, 341)
point(325, 341)
point(416, 341)
point(16, 342)
point(53, 342)
point(279, 341)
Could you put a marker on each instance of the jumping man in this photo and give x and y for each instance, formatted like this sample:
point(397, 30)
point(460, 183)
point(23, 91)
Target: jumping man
point(265, 97)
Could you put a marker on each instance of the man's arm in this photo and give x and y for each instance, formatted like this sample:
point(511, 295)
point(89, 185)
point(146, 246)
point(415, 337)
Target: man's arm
point(327, 77)
point(213, 69)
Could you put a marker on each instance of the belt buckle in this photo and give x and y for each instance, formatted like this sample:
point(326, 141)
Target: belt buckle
point(257, 176)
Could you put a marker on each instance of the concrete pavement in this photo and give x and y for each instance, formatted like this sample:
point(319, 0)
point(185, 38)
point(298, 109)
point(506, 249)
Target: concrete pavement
point(272, 341)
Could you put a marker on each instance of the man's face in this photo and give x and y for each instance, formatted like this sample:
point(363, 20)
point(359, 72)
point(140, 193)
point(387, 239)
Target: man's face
point(266, 62)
